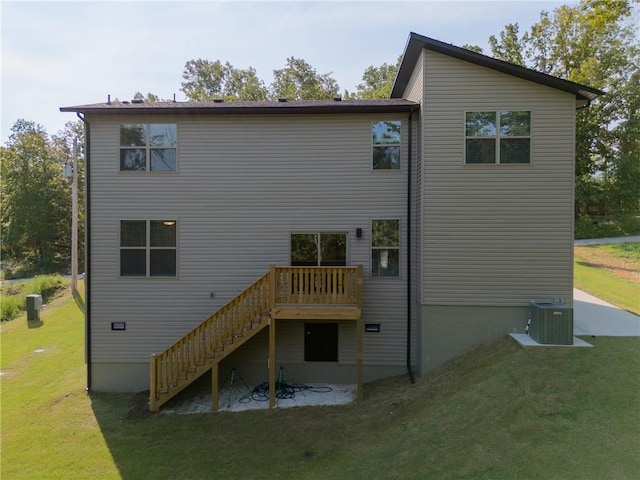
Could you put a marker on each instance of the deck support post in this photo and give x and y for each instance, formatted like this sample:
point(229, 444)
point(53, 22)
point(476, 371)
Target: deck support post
point(359, 381)
point(359, 335)
point(215, 379)
point(272, 362)
point(153, 397)
point(273, 287)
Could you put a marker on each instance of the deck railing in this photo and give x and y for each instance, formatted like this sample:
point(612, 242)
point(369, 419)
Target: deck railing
point(193, 354)
point(317, 285)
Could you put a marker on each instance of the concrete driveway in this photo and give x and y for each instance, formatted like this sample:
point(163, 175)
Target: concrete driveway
point(592, 316)
point(599, 241)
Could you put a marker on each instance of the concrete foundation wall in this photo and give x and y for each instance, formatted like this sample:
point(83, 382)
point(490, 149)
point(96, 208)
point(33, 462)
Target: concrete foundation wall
point(119, 377)
point(448, 331)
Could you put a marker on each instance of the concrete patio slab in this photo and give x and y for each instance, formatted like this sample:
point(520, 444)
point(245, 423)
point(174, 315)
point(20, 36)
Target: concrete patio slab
point(526, 341)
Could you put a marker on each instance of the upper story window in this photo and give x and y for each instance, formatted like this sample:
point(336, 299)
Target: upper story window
point(498, 137)
point(148, 248)
point(386, 145)
point(148, 147)
point(385, 248)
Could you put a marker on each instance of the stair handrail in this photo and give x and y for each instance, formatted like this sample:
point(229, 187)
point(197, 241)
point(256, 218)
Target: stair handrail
point(310, 285)
point(175, 362)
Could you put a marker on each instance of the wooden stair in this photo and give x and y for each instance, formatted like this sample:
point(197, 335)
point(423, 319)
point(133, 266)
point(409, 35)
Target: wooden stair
point(207, 344)
point(284, 293)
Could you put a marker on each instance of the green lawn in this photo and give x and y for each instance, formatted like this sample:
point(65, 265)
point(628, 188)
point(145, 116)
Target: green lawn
point(498, 412)
point(611, 272)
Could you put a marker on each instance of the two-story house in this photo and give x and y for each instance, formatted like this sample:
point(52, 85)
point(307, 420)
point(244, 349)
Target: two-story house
point(342, 240)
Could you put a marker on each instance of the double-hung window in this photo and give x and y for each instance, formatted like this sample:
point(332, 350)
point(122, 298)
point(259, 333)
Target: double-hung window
point(148, 248)
point(502, 136)
point(385, 248)
point(386, 137)
point(148, 147)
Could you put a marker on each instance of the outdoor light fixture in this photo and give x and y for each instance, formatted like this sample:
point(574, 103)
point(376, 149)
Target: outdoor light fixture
point(169, 223)
point(118, 325)
point(372, 327)
point(358, 232)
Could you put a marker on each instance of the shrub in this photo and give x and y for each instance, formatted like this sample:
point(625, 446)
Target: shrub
point(605, 227)
point(10, 307)
point(14, 295)
point(47, 286)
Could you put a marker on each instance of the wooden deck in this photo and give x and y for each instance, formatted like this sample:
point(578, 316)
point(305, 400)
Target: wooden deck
point(316, 312)
point(284, 293)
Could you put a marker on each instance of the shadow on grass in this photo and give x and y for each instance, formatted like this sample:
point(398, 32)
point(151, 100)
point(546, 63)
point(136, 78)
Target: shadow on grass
point(517, 404)
point(122, 420)
point(154, 445)
point(603, 266)
point(79, 301)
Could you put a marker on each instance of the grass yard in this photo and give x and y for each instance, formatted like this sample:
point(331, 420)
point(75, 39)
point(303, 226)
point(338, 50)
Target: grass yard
point(611, 272)
point(498, 412)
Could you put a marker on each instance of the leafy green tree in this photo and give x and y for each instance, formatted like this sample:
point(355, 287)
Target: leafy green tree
point(510, 47)
point(623, 188)
point(36, 199)
point(473, 48)
point(244, 84)
point(63, 141)
point(300, 81)
point(593, 42)
point(377, 82)
point(149, 97)
point(205, 81)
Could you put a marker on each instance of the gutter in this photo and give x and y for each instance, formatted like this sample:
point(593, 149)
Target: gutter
point(87, 246)
point(409, 202)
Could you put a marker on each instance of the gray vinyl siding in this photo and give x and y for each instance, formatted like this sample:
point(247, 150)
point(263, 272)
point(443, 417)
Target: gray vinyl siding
point(243, 184)
point(494, 234)
point(415, 86)
point(415, 92)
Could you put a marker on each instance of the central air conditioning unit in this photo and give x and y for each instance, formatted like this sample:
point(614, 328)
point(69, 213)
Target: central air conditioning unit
point(551, 323)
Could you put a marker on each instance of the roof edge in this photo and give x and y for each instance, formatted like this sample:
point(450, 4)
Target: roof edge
point(258, 107)
point(416, 43)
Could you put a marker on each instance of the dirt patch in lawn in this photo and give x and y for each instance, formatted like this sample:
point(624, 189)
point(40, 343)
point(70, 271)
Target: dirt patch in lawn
point(621, 260)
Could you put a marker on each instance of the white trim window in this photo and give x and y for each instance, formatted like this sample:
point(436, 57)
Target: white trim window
point(148, 248)
point(385, 248)
point(386, 140)
point(502, 136)
point(148, 147)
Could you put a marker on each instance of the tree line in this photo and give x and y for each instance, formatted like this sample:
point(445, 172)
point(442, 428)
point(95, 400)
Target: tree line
point(208, 80)
point(35, 207)
point(594, 42)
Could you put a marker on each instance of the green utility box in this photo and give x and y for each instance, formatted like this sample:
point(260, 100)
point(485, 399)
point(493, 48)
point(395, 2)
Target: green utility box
point(551, 323)
point(34, 305)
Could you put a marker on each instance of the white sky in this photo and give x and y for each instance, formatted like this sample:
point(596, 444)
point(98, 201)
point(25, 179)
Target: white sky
point(58, 53)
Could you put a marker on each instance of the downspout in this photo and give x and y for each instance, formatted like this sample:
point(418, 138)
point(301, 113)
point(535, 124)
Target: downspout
point(87, 247)
point(409, 178)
